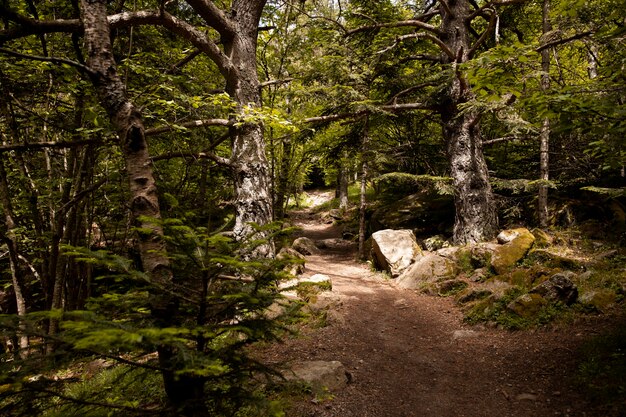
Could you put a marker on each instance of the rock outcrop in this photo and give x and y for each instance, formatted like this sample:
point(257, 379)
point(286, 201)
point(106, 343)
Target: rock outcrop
point(429, 268)
point(559, 288)
point(394, 250)
point(505, 256)
point(305, 246)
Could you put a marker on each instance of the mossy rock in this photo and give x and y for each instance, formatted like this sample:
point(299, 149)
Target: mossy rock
point(526, 277)
point(542, 239)
point(508, 255)
point(450, 287)
point(552, 260)
point(527, 305)
point(471, 295)
point(600, 300)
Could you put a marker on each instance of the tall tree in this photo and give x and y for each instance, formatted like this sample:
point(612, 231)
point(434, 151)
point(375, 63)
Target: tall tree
point(544, 134)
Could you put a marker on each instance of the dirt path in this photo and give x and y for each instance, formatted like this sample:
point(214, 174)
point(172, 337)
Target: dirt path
point(410, 355)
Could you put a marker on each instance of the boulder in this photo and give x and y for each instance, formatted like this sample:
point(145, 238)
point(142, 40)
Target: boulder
point(549, 259)
point(480, 255)
point(429, 268)
point(507, 255)
point(527, 305)
point(336, 214)
point(558, 288)
point(506, 236)
point(542, 239)
point(296, 264)
point(600, 300)
point(450, 287)
point(434, 243)
point(322, 376)
point(394, 250)
point(305, 246)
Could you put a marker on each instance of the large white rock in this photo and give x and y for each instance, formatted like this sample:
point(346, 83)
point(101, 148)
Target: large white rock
point(429, 268)
point(394, 250)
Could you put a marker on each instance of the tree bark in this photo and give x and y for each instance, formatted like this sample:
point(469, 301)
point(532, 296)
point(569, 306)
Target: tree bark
point(544, 134)
point(9, 238)
point(476, 217)
point(342, 183)
point(185, 393)
point(253, 203)
point(363, 202)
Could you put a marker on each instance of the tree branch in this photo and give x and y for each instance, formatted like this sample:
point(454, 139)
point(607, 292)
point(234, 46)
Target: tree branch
point(445, 7)
point(213, 16)
point(564, 40)
point(273, 82)
point(428, 36)
point(47, 145)
point(483, 37)
point(54, 60)
point(392, 108)
point(405, 23)
point(490, 5)
point(393, 99)
point(194, 123)
point(502, 139)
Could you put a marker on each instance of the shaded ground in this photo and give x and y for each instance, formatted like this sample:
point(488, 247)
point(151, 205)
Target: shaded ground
point(410, 355)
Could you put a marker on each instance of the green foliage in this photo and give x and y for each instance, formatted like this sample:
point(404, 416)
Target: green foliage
point(108, 392)
point(221, 299)
point(495, 310)
point(397, 182)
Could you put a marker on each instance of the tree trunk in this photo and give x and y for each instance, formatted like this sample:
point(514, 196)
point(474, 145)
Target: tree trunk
point(185, 393)
point(363, 203)
point(544, 134)
point(253, 203)
point(8, 237)
point(282, 189)
point(342, 184)
point(476, 218)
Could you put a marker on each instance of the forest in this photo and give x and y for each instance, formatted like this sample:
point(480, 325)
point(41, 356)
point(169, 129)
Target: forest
point(154, 151)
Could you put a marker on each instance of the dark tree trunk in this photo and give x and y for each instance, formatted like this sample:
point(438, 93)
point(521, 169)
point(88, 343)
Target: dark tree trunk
point(476, 217)
point(253, 203)
point(544, 134)
point(342, 184)
point(282, 189)
point(8, 237)
point(185, 393)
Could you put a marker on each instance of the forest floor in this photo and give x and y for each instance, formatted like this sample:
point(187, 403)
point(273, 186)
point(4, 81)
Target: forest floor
point(411, 355)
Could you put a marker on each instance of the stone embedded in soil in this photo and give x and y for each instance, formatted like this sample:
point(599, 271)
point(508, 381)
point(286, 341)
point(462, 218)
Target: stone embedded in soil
point(322, 376)
point(305, 246)
point(295, 268)
point(464, 334)
point(558, 288)
point(527, 305)
point(600, 300)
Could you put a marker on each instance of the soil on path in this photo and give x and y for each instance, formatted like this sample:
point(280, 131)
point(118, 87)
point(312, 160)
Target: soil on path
point(410, 355)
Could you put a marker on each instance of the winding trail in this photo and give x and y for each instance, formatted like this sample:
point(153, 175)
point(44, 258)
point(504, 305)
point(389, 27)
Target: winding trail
point(410, 355)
